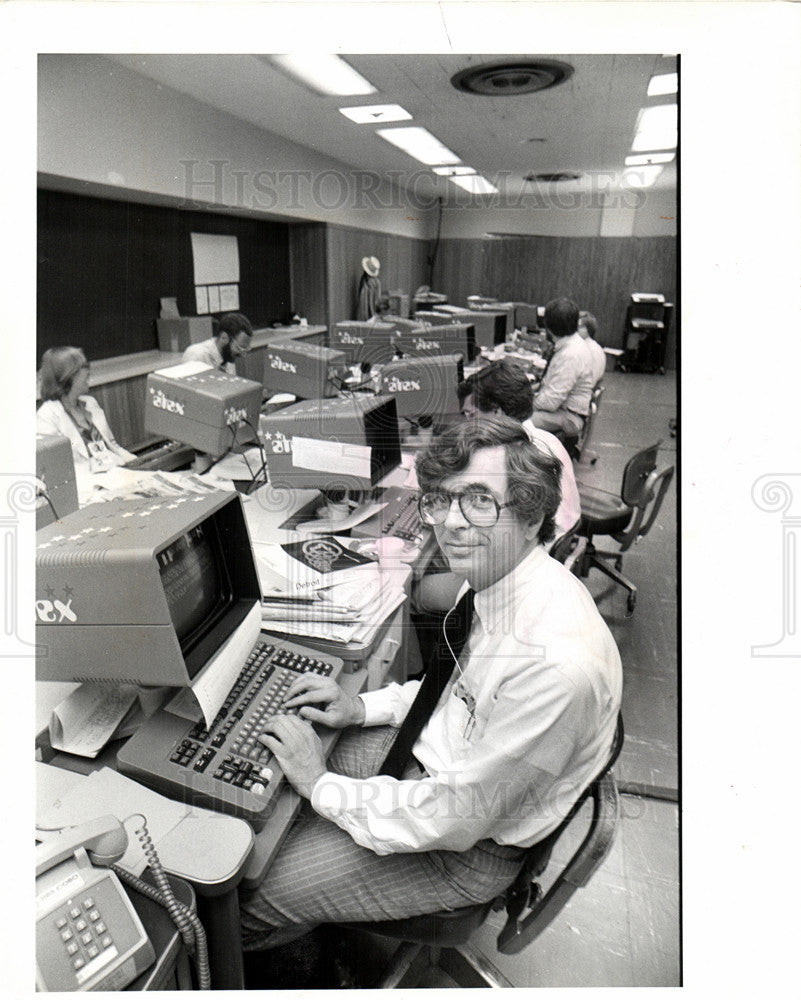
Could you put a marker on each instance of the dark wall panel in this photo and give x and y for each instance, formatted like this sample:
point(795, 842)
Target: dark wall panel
point(403, 266)
point(308, 270)
point(103, 265)
point(599, 273)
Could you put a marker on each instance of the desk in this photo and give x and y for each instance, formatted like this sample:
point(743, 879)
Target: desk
point(206, 849)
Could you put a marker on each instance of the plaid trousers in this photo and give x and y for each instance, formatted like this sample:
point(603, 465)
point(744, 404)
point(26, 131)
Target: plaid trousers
point(321, 875)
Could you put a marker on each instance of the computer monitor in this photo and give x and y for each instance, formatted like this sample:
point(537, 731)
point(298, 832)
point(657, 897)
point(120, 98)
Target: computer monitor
point(309, 371)
point(202, 407)
point(450, 338)
point(422, 386)
point(373, 343)
point(490, 326)
point(55, 469)
point(142, 591)
point(329, 444)
point(431, 318)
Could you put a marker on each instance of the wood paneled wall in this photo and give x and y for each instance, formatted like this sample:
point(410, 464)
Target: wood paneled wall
point(308, 270)
point(103, 265)
point(599, 273)
point(404, 266)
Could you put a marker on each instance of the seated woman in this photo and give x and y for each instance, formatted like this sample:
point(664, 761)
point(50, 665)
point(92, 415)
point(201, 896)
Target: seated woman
point(69, 411)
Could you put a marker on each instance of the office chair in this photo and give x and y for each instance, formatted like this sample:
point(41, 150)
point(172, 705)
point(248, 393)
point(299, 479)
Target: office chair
point(568, 549)
point(577, 447)
point(442, 939)
point(623, 517)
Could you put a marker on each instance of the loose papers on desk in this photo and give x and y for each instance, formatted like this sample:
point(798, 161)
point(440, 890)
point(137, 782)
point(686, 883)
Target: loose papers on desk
point(320, 588)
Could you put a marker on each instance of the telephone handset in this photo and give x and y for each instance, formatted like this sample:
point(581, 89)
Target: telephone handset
point(88, 935)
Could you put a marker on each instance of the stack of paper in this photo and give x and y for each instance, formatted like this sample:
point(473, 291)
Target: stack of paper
point(318, 587)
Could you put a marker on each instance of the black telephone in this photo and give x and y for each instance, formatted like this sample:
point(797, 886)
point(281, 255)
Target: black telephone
point(88, 935)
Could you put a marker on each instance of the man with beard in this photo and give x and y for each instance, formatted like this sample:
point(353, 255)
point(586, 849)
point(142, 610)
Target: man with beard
point(232, 336)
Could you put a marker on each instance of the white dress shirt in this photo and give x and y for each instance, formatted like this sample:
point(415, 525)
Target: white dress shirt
point(597, 357)
point(208, 353)
point(569, 510)
point(516, 736)
point(568, 382)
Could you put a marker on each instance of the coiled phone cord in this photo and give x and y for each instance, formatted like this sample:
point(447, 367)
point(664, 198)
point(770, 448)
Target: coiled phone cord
point(191, 929)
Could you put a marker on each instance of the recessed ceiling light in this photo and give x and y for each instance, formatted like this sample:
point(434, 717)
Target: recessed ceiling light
point(376, 113)
point(325, 73)
point(641, 177)
point(664, 83)
point(419, 143)
point(456, 171)
point(644, 158)
point(475, 184)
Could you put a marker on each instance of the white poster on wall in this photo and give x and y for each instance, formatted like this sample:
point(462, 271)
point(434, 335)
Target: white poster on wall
point(215, 258)
point(229, 298)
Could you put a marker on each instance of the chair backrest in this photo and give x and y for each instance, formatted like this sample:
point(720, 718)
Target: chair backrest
point(586, 430)
point(569, 548)
point(643, 490)
point(528, 910)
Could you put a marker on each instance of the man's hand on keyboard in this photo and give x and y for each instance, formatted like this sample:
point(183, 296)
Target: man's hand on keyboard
point(339, 709)
point(297, 749)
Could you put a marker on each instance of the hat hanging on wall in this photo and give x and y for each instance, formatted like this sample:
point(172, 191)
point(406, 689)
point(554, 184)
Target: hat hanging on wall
point(372, 265)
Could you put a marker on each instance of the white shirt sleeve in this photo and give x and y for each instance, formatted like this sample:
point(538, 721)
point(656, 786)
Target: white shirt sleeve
point(514, 765)
point(389, 705)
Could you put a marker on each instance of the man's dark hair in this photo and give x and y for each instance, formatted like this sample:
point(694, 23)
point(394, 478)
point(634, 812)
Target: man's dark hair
point(561, 317)
point(233, 324)
point(587, 320)
point(503, 384)
point(533, 475)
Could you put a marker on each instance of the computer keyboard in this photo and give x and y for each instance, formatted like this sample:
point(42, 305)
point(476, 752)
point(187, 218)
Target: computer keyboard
point(165, 456)
point(224, 766)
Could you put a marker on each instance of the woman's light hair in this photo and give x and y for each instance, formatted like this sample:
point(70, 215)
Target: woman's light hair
point(59, 367)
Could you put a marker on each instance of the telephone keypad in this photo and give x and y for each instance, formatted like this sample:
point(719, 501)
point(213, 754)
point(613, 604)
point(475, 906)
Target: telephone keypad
point(83, 933)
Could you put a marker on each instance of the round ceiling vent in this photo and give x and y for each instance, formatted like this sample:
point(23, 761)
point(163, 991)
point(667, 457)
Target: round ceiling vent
point(525, 76)
point(563, 175)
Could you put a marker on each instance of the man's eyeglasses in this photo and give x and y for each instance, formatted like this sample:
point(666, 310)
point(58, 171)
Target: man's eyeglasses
point(478, 507)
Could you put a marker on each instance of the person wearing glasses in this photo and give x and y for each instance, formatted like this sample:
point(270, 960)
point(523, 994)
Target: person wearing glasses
point(523, 723)
point(69, 410)
point(231, 339)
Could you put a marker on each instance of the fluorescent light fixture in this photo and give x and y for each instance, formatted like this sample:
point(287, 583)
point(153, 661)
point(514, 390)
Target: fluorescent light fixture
point(644, 158)
point(664, 83)
point(644, 141)
point(375, 113)
point(455, 171)
point(657, 128)
point(641, 177)
point(475, 184)
point(657, 118)
point(419, 143)
point(325, 73)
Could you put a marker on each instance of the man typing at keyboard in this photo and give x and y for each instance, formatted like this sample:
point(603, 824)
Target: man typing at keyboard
point(437, 787)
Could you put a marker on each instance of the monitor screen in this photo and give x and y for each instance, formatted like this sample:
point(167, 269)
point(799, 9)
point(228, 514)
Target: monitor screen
point(195, 582)
point(142, 591)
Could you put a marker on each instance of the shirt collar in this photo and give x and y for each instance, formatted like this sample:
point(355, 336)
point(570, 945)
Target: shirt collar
point(495, 603)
